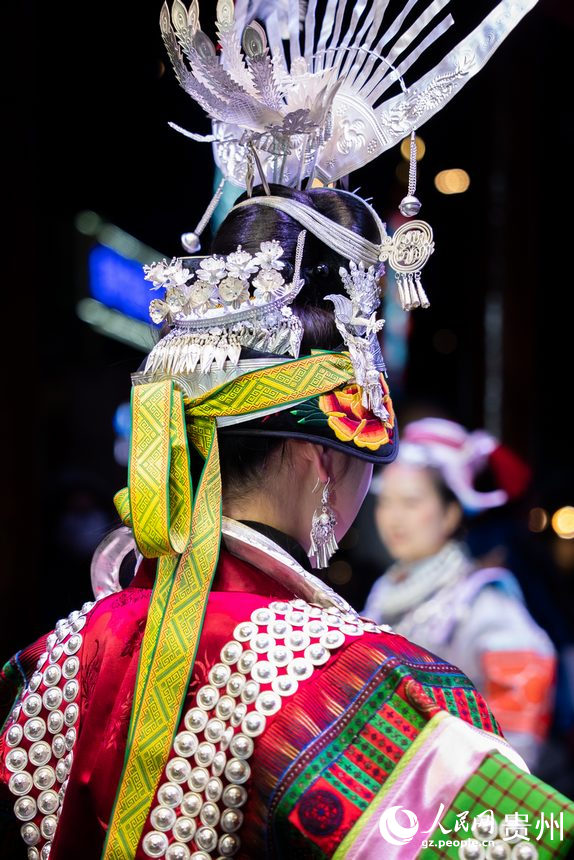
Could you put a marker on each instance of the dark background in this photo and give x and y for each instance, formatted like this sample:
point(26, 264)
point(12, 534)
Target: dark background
point(86, 105)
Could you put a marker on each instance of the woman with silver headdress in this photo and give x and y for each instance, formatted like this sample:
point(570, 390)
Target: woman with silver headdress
point(472, 614)
point(227, 702)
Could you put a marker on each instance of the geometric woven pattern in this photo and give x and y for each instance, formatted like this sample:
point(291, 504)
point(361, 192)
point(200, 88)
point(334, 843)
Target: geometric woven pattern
point(275, 386)
point(168, 652)
point(344, 768)
point(159, 478)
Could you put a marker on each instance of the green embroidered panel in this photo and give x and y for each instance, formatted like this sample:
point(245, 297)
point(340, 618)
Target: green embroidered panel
point(525, 811)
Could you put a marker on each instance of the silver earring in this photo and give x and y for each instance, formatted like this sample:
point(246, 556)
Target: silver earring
point(323, 541)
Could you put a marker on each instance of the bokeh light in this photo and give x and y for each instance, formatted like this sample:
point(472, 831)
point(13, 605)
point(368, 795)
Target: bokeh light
point(406, 148)
point(340, 572)
point(563, 522)
point(445, 341)
point(87, 222)
point(537, 520)
point(454, 181)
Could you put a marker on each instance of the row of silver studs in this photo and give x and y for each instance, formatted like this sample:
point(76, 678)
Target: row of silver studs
point(199, 803)
point(42, 735)
point(496, 849)
point(494, 840)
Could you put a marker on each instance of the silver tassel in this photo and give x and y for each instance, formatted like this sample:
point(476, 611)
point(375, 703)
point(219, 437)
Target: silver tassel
point(422, 295)
point(401, 290)
point(413, 293)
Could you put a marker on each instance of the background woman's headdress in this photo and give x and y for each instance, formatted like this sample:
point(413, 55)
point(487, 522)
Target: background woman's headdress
point(461, 456)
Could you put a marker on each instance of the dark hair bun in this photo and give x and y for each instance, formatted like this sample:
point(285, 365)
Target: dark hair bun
point(251, 225)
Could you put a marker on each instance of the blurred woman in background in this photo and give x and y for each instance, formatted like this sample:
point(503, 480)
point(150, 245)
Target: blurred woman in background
point(470, 613)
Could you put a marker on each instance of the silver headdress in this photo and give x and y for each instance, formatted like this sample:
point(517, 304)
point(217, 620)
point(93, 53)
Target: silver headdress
point(223, 304)
point(338, 102)
point(327, 111)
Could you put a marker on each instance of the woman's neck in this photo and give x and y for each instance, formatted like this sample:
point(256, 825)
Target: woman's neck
point(260, 508)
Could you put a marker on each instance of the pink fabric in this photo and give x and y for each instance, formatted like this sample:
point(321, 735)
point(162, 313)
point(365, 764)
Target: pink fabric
point(451, 750)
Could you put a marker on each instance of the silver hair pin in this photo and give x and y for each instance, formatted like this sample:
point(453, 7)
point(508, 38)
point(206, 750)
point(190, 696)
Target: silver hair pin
point(190, 241)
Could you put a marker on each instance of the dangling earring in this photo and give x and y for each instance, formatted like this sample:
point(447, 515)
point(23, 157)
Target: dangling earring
point(323, 541)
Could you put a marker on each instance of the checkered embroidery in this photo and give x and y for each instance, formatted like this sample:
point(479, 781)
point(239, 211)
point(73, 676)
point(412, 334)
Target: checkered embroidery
point(500, 786)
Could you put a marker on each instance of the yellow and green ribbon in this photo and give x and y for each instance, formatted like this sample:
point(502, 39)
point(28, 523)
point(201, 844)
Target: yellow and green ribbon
point(184, 532)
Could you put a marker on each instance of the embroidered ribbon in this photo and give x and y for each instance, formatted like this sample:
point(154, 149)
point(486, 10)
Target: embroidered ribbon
point(185, 533)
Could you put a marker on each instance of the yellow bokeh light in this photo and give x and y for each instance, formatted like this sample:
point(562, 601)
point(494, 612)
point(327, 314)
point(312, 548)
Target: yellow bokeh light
point(316, 183)
point(537, 520)
point(454, 181)
point(406, 148)
point(563, 522)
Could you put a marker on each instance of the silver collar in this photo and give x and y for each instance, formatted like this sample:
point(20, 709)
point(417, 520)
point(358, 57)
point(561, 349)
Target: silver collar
point(255, 548)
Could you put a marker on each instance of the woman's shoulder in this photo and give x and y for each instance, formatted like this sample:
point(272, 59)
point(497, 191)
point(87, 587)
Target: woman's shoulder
point(41, 682)
point(355, 700)
point(294, 644)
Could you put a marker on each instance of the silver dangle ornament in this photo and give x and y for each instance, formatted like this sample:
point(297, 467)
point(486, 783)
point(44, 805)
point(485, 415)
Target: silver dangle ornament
point(323, 541)
point(411, 205)
point(407, 251)
point(190, 241)
point(410, 247)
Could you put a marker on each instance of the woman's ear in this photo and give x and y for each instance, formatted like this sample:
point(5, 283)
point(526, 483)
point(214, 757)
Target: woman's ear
point(452, 518)
point(314, 458)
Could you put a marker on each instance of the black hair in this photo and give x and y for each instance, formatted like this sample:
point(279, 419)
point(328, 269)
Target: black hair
point(243, 458)
point(248, 226)
point(442, 488)
point(447, 497)
point(242, 461)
